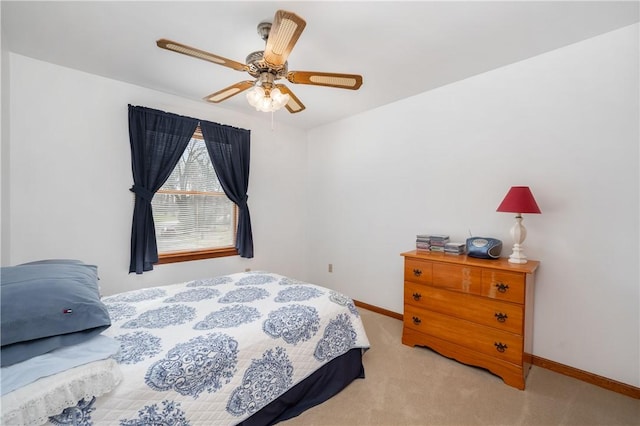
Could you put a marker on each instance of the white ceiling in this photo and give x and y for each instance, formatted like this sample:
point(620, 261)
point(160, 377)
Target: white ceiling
point(400, 48)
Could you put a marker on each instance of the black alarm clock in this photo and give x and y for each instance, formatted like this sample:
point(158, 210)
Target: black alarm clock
point(484, 248)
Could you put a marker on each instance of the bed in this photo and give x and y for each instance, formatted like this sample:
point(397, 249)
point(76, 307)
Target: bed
point(250, 348)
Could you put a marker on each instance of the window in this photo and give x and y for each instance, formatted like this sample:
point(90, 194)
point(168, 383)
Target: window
point(193, 217)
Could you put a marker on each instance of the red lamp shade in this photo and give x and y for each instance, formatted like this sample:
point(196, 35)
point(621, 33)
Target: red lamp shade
point(519, 199)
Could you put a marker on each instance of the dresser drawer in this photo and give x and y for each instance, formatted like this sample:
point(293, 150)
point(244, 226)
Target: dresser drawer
point(496, 343)
point(503, 285)
point(466, 279)
point(500, 315)
point(488, 283)
point(417, 271)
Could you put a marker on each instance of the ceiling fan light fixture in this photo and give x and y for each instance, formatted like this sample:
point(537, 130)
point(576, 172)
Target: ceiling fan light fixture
point(278, 98)
point(266, 101)
point(255, 94)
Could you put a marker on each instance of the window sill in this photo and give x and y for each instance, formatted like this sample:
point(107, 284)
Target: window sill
point(186, 256)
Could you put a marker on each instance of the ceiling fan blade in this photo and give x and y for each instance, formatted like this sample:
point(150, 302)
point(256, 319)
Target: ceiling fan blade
point(284, 33)
point(228, 92)
point(341, 81)
point(200, 54)
point(294, 105)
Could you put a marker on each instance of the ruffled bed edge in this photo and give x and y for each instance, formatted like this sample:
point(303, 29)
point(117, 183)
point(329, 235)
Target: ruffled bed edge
point(35, 403)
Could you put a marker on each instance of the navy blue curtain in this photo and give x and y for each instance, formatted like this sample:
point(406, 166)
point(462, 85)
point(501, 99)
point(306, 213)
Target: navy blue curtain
point(229, 149)
point(158, 140)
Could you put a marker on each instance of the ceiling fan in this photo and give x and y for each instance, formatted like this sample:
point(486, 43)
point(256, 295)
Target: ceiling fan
point(269, 66)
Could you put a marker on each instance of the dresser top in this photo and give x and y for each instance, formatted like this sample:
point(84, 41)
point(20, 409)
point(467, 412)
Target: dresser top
point(501, 263)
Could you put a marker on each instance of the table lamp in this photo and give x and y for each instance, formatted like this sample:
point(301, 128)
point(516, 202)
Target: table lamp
point(518, 200)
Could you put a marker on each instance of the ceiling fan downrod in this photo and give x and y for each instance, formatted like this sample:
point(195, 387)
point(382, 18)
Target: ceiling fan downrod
point(264, 28)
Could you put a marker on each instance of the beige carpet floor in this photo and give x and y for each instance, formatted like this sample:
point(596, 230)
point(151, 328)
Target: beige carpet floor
point(416, 386)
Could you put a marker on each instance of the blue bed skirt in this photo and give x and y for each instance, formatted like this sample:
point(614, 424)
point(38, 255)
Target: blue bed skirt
point(315, 389)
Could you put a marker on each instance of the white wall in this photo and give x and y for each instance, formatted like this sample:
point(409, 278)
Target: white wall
point(564, 123)
point(70, 176)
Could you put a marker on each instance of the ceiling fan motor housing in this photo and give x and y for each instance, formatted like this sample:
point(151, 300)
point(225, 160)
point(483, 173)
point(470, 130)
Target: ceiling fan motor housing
point(257, 65)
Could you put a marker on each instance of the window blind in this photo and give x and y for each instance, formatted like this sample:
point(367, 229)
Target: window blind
point(191, 211)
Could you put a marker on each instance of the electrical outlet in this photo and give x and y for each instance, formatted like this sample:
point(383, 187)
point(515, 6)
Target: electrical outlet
point(331, 267)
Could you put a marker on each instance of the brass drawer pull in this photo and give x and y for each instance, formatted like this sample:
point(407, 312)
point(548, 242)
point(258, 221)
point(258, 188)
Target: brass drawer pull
point(500, 347)
point(417, 272)
point(416, 320)
point(502, 288)
point(417, 296)
point(500, 317)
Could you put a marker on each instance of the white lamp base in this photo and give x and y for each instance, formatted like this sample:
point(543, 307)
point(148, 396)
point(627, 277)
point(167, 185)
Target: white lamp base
point(518, 234)
point(517, 256)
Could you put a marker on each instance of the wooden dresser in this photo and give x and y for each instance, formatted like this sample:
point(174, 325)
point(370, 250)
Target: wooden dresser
point(479, 312)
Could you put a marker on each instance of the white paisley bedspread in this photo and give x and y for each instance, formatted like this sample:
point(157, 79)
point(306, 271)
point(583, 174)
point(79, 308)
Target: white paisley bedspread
point(215, 351)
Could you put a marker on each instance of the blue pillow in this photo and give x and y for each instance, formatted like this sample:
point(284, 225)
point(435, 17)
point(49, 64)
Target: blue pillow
point(48, 305)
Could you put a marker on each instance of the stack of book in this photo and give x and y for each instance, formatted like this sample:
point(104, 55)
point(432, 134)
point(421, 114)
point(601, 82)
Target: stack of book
point(438, 242)
point(423, 243)
point(455, 248)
